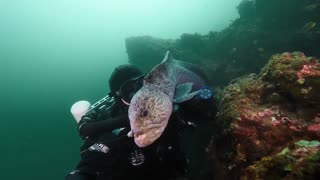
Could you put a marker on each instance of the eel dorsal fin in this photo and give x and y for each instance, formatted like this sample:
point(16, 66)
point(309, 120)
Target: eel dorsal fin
point(167, 58)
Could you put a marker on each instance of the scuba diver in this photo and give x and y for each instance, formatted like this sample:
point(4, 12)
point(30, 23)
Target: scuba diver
point(108, 153)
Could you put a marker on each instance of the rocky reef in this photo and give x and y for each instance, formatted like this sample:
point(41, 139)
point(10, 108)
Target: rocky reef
point(267, 113)
point(265, 27)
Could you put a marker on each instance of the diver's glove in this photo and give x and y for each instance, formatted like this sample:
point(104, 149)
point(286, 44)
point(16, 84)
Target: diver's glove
point(91, 128)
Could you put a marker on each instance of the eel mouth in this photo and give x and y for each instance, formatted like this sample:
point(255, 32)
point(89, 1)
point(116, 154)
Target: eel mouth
point(148, 135)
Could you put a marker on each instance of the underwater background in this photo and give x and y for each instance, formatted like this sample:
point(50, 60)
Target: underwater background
point(54, 53)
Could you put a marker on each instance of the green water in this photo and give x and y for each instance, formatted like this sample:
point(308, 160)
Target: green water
point(53, 53)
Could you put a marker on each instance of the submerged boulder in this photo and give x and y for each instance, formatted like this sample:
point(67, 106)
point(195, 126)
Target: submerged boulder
point(297, 75)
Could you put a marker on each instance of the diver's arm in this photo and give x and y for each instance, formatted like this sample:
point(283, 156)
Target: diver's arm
point(88, 127)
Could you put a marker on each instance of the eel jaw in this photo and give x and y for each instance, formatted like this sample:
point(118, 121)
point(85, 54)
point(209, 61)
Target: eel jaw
point(147, 136)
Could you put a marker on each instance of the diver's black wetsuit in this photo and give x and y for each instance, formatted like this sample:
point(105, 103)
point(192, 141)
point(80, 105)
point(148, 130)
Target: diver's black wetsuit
point(106, 155)
point(200, 113)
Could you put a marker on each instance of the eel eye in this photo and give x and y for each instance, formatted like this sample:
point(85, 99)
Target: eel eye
point(144, 113)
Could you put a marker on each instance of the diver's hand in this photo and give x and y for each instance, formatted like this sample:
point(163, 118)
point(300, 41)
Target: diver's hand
point(92, 127)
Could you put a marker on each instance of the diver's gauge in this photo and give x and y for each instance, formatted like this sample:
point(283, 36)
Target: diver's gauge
point(206, 92)
point(137, 157)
